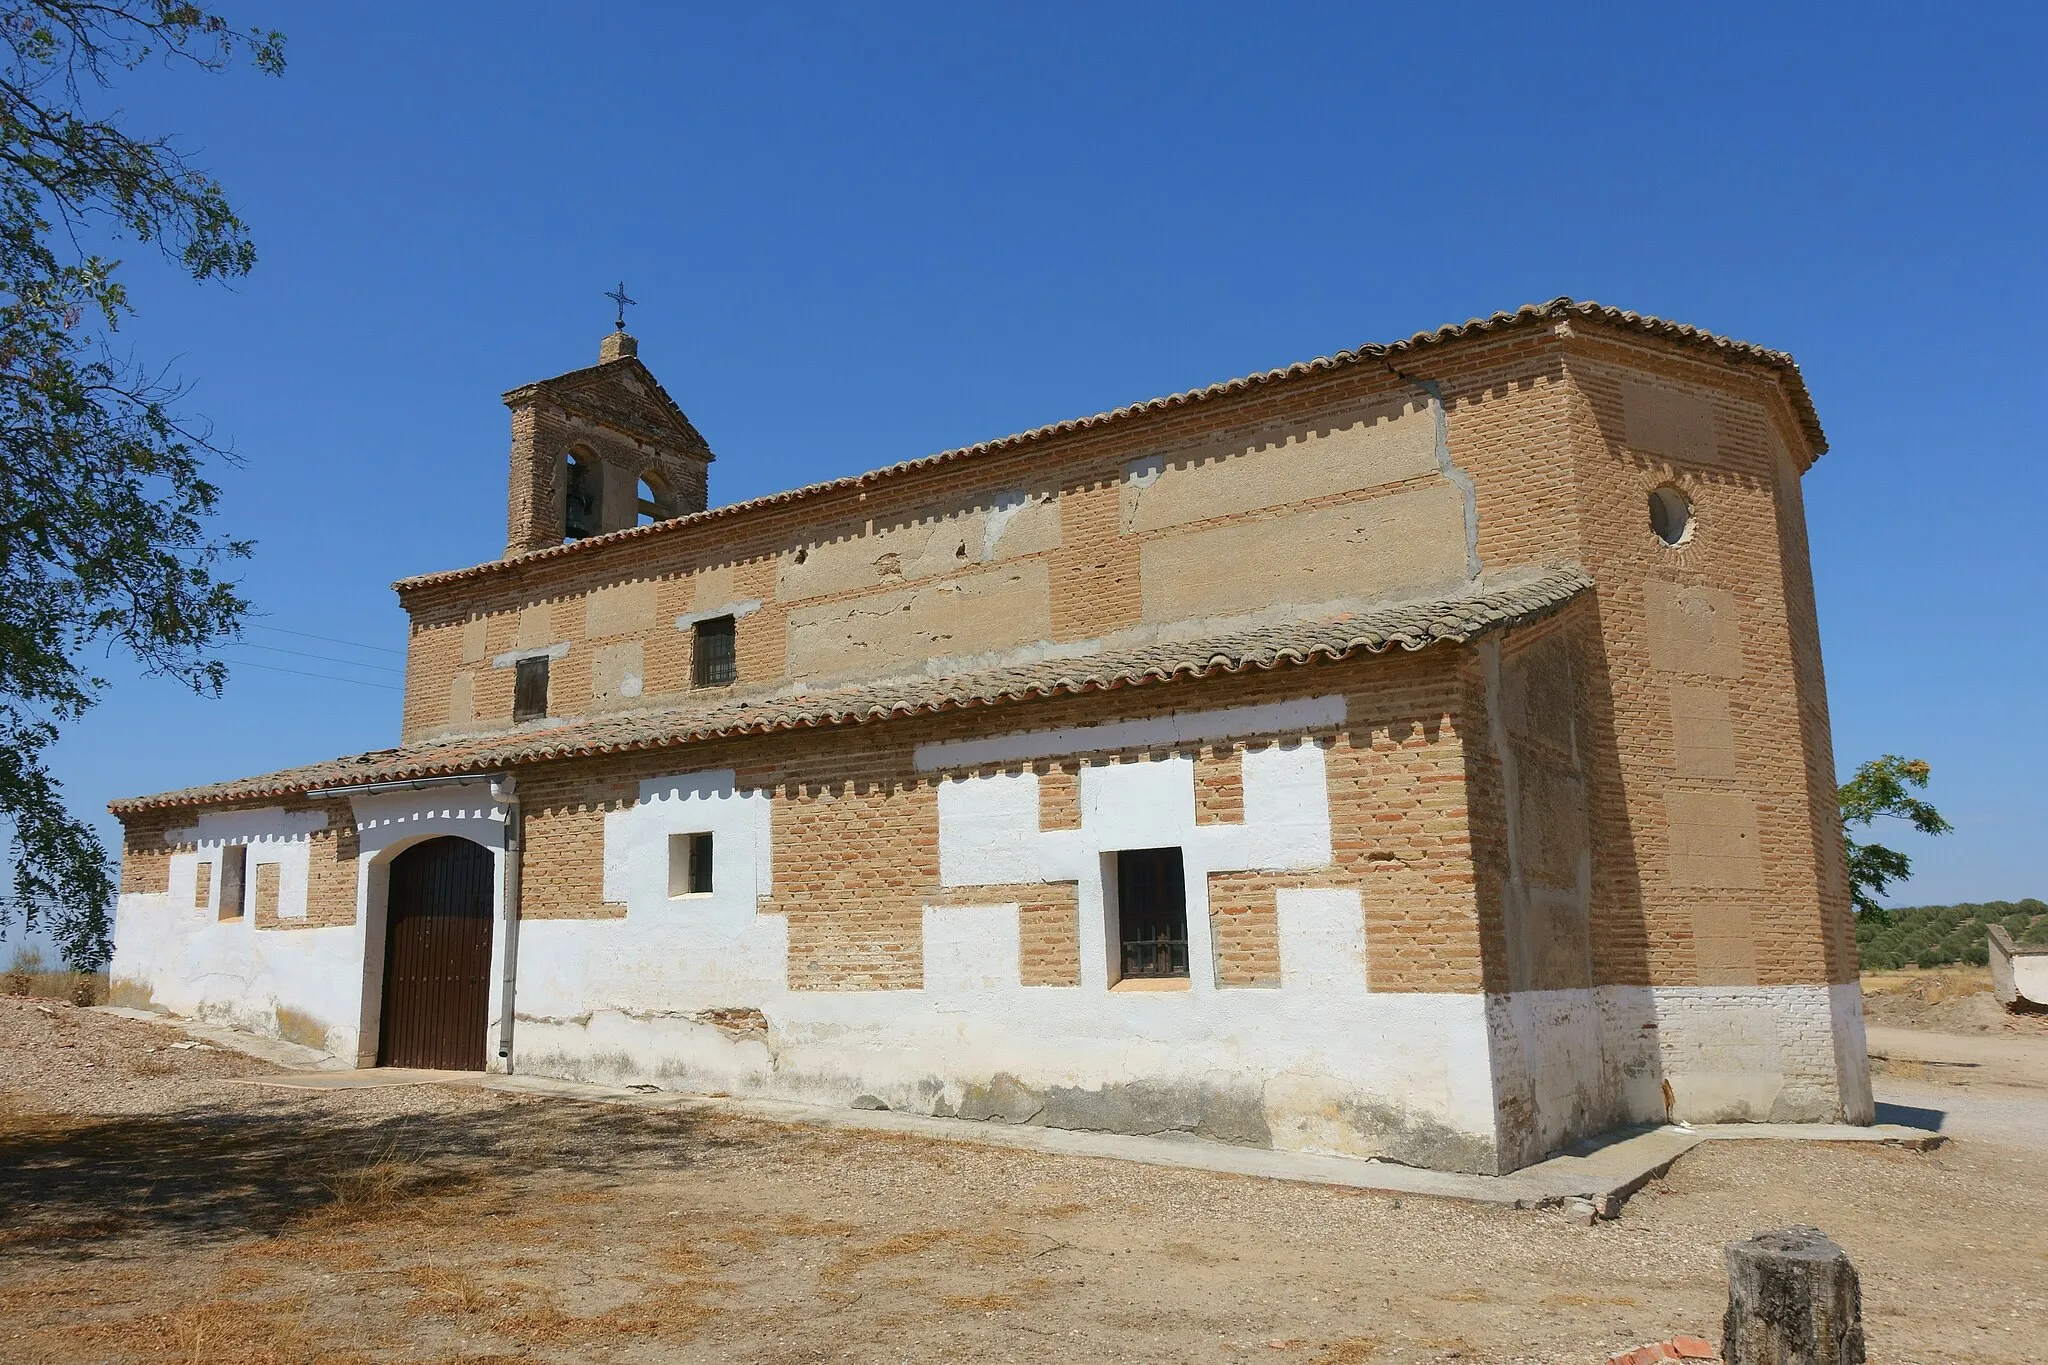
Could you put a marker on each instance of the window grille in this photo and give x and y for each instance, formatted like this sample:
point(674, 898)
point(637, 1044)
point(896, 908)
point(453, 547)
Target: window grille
point(1152, 913)
point(714, 663)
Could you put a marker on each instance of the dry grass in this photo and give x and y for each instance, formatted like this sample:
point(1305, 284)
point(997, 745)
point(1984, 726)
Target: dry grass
point(453, 1290)
point(223, 1331)
point(385, 1186)
point(296, 1026)
point(1350, 1351)
point(29, 975)
point(15, 1236)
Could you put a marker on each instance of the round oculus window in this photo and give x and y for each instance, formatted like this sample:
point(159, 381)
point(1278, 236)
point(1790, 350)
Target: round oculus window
point(1670, 515)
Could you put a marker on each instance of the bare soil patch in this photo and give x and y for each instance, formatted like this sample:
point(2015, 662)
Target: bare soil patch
point(1944, 1000)
point(168, 1215)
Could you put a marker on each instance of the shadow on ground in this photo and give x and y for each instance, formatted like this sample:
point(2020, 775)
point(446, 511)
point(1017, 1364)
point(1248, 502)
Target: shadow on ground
point(70, 1184)
point(1911, 1115)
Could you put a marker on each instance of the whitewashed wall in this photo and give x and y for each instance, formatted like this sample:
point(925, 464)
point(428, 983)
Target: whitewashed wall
point(320, 986)
point(192, 962)
point(693, 993)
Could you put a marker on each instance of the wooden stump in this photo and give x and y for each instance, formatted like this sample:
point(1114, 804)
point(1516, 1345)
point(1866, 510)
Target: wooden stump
point(1793, 1299)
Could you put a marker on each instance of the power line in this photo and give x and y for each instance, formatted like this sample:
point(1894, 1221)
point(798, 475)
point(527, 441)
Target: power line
point(326, 639)
point(330, 677)
point(325, 658)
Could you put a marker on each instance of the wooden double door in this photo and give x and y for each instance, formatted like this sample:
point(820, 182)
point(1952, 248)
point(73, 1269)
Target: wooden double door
point(437, 957)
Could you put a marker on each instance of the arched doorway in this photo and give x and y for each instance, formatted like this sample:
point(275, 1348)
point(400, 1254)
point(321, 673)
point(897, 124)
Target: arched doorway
point(437, 957)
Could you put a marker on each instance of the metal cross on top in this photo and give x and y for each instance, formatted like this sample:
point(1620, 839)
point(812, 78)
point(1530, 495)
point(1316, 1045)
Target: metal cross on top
point(618, 296)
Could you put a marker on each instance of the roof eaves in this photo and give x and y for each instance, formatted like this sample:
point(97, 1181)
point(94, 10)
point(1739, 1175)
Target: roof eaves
point(1407, 626)
point(1373, 352)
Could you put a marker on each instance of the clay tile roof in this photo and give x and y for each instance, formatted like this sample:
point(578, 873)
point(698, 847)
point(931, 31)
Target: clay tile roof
point(1528, 316)
point(1509, 600)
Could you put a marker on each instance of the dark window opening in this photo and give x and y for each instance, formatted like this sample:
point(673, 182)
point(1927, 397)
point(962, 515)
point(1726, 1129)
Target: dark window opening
point(1152, 912)
point(234, 871)
point(583, 504)
point(689, 864)
point(653, 499)
point(530, 689)
point(713, 662)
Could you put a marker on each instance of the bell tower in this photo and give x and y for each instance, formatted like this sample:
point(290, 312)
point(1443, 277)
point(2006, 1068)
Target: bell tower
point(599, 449)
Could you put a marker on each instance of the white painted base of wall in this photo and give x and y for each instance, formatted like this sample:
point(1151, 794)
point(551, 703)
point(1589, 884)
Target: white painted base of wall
point(227, 973)
point(1403, 1077)
point(1569, 1064)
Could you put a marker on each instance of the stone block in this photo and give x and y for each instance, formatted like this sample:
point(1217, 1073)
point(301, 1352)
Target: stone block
point(1793, 1299)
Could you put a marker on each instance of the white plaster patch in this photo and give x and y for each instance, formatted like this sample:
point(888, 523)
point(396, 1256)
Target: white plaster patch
point(271, 835)
point(636, 844)
point(971, 948)
point(1150, 804)
point(1322, 940)
point(1187, 727)
point(1006, 509)
point(744, 607)
point(989, 835)
point(512, 657)
point(988, 831)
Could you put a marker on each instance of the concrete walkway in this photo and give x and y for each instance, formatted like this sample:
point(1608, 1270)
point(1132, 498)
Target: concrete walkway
point(1603, 1171)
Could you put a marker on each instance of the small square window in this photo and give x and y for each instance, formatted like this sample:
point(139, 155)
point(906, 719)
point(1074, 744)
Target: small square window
point(530, 689)
point(689, 865)
point(713, 662)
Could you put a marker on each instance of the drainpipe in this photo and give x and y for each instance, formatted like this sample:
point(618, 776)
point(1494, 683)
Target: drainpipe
point(505, 791)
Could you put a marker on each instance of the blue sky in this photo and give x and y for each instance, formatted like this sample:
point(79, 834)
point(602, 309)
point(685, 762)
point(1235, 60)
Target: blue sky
point(859, 236)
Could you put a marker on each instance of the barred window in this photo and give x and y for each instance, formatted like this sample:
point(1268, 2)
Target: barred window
point(713, 661)
point(1152, 913)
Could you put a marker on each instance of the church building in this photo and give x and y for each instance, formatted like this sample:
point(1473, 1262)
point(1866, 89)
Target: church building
point(1418, 753)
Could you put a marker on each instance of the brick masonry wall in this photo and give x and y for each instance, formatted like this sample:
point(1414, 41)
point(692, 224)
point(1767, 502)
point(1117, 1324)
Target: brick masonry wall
point(1560, 464)
point(1705, 917)
point(1048, 951)
point(1093, 571)
point(1243, 916)
point(855, 829)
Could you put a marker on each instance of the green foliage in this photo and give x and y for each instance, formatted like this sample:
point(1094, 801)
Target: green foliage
point(1944, 935)
point(103, 496)
point(1883, 787)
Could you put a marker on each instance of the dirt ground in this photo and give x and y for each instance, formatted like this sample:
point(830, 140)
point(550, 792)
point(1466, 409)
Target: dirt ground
point(153, 1209)
point(1944, 1000)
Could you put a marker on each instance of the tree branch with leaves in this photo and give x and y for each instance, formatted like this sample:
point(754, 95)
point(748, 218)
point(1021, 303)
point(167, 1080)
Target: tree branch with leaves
point(104, 499)
point(1883, 787)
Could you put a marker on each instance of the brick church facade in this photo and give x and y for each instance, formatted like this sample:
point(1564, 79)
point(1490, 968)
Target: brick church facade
point(1419, 753)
